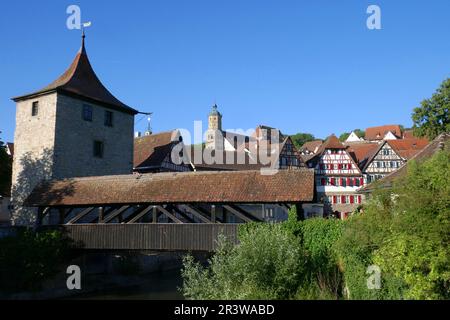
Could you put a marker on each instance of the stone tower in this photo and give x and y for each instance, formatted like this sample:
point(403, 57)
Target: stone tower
point(73, 127)
point(214, 135)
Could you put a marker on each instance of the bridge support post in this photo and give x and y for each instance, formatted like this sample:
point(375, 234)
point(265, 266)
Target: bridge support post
point(101, 214)
point(213, 213)
point(155, 214)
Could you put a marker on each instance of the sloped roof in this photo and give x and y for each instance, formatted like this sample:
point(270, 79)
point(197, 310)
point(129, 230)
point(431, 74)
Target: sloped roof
point(151, 150)
point(285, 186)
point(378, 133)
point(311, 145)
point(362, 151)
point(408, 134)
point(80, 80)
point(332, 142)
point(407, 148)
point(441, 142)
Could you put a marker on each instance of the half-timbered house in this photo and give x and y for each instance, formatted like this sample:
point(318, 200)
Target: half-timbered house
point(390, 156)
point(338, 177)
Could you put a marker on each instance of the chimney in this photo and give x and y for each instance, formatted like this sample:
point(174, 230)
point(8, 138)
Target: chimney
point(137, 134)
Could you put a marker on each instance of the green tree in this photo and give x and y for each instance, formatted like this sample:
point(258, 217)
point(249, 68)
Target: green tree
point(432, 117)
point(404, 231)
point(5, 170)
point(299, 139)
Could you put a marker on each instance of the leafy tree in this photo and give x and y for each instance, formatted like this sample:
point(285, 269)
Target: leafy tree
point(299, 139)
point(404, 231)
point(5, 170)
point(432, 118)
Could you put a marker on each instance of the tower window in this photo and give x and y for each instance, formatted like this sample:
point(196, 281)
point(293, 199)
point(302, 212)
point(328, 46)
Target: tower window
point(35, 108)
point(108, 118)
point(98, 149)
point(87, 112)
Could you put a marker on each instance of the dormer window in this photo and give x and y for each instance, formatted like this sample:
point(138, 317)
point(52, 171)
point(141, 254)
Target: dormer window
point(35, 108)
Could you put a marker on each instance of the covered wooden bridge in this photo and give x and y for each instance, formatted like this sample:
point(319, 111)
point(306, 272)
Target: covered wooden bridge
point(167, 211)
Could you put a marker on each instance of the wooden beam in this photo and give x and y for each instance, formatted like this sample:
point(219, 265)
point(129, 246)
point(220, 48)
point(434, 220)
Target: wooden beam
point(115, 214)
point(141, 214)
point(182, 214)
point(80, 215)
point(213, 213)
point(240, 213)
point(101, 214)
point(170, 215)
point(196, 214)
point(155, 215)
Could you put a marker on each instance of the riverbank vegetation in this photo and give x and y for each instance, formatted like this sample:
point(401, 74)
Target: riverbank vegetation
point(29, 258)
point(403, 232)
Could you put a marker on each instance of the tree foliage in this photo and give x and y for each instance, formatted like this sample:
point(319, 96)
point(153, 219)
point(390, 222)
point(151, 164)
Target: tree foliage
point(432, 117)
point(299, 139)
point(29, 258)
point(404, 231)
point(5, 170)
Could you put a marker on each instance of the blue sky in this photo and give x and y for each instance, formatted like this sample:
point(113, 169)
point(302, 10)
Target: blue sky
point(301, 66)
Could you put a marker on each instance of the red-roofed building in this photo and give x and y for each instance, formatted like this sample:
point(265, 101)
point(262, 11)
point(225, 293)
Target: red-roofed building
point(390, 156)
point(338, 177)
point(386, 132)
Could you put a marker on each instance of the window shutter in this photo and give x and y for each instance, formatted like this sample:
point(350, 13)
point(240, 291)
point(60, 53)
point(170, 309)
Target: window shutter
point(323, 181)
point(342, 199)
point(359, 199)
point(352, 199)
point(334, 199)
point(349, 182)
point(361, 181)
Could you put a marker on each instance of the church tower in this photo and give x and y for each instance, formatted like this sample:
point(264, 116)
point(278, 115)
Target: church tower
point(214, 136)
point(73, 127)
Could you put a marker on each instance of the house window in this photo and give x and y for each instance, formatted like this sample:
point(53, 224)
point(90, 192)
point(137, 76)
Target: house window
point(87, 112)
point(108, 118)
point(35, 108)
point(98, 149)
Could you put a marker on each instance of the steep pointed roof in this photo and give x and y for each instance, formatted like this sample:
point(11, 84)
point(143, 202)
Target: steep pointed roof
point(80, 80)
point(332, 142)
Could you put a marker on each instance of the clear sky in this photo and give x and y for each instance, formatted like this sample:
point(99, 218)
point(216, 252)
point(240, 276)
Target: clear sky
point(301, 66)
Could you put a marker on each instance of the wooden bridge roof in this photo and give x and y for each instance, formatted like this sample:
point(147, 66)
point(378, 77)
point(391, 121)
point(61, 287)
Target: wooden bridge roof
point(285, 186)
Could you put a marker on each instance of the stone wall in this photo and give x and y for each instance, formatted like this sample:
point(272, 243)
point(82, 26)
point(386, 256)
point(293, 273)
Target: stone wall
point(57, 143)
point(34, 141)
point(75, 137)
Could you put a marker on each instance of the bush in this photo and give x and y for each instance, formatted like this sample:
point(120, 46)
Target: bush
point(29, 258)
point(404, 231)
point(267, 264)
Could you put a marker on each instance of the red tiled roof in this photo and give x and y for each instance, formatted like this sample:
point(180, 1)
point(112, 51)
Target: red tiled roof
point(441, 142)
point(378, 133)
point(285, 186)
point(407, 148)
point(81, 80)
point(332, 142)
point(312, 145)
point(361, 151)
point(151, 150)
point(408, 134)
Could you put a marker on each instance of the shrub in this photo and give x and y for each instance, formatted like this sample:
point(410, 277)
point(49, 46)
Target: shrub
point(267, 264)
point(29, 258)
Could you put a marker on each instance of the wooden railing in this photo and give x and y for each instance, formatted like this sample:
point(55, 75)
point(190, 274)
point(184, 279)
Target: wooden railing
point(151, 236)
